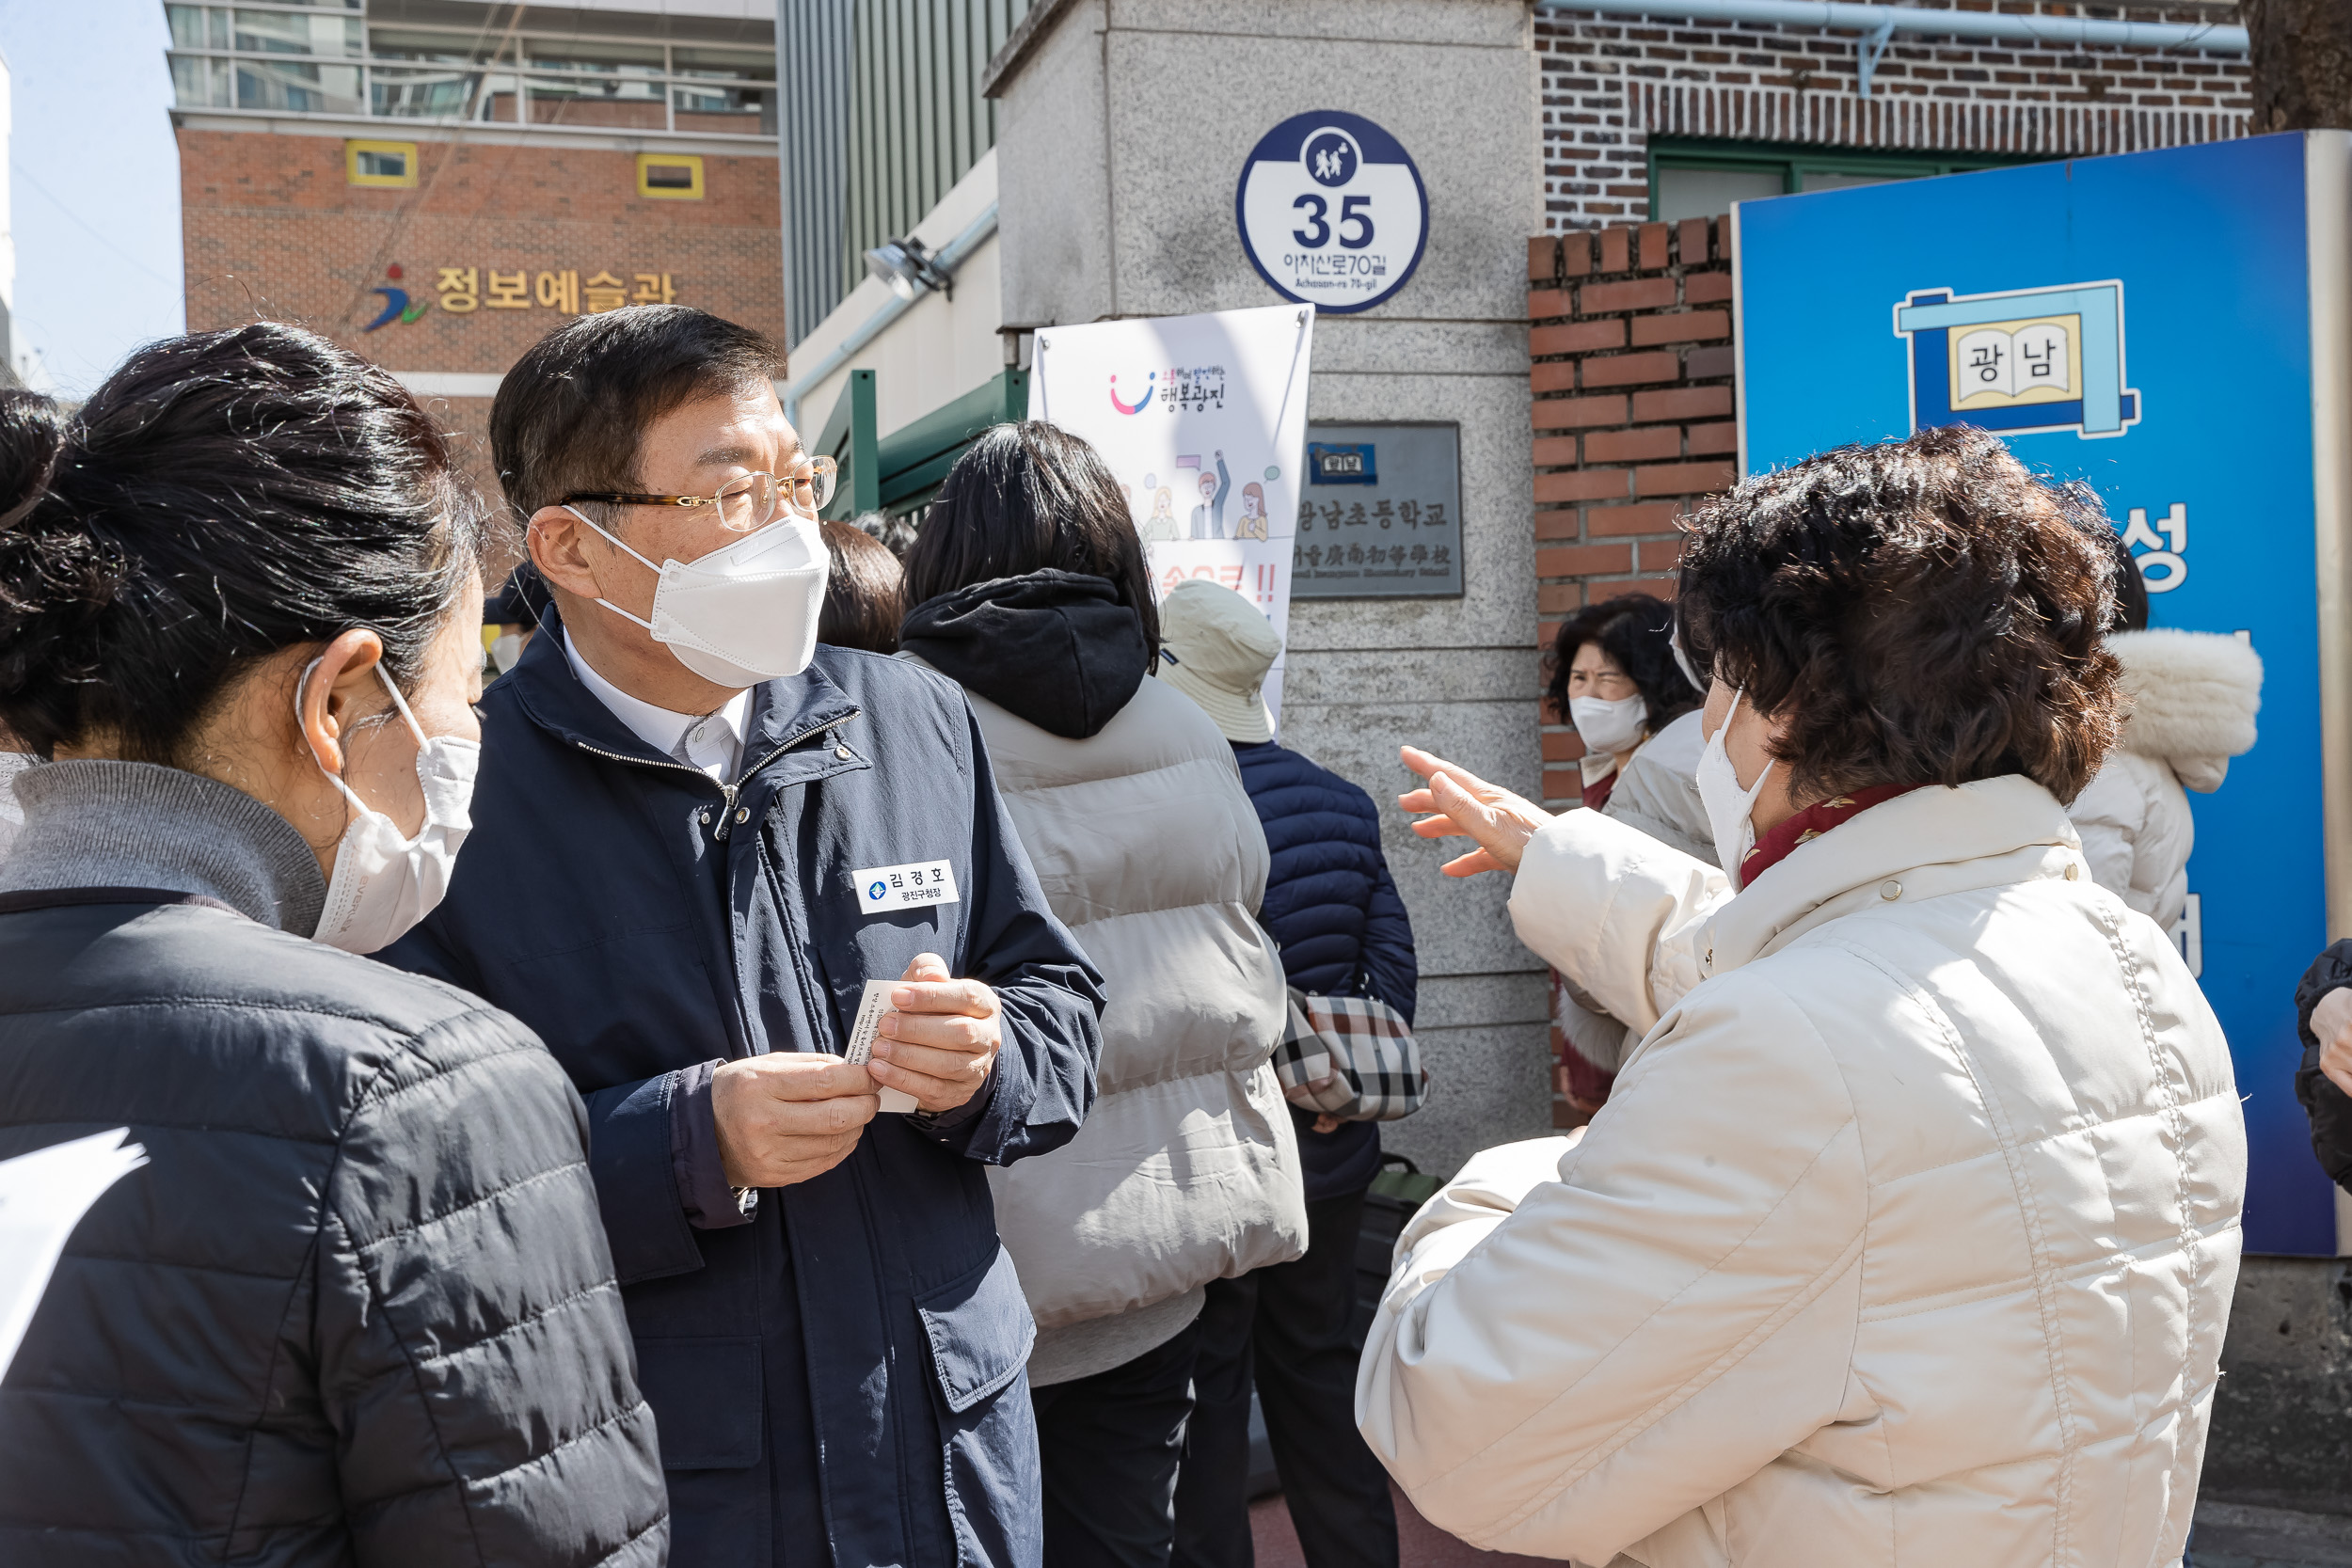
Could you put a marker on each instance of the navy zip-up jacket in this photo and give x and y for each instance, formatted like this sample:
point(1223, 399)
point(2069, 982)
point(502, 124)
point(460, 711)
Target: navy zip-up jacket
point(1333, 909)
point(840, 1379)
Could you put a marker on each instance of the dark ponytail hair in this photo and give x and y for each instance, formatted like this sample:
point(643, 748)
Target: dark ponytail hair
point(1023, 498)
point(224, 495)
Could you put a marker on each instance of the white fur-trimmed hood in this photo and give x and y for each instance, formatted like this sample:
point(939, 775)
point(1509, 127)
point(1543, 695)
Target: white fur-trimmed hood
point(2194, 697)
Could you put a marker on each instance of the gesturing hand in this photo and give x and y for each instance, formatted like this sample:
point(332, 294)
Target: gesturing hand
point(2331, 1027)
point(939, 1038)
point(787, 1117)
point(1467, 806)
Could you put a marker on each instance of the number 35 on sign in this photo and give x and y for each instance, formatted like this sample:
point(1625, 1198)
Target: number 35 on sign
point(1332, 212)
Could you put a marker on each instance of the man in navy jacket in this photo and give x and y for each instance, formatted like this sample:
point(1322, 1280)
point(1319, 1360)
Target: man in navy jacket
point(669, 881)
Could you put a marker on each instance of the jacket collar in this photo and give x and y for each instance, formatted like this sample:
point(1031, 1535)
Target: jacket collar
point(1926, 843)
point(549, 694)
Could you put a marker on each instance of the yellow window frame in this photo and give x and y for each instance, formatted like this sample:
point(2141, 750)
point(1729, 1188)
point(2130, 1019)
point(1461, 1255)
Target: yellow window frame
point(686, 161)
point(407, 151)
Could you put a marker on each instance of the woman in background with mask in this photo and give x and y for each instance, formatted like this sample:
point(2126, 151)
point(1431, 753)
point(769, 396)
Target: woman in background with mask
point(357, 1303)
point(1615, 677)
point(1910, 1232)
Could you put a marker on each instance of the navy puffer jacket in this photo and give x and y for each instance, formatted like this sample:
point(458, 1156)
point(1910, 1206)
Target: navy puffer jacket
point(1334, 906)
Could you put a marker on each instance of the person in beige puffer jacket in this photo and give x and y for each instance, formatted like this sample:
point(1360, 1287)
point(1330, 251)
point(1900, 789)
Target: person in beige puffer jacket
point(2193, 697)
point(1909, 1234)
point(1031, 592)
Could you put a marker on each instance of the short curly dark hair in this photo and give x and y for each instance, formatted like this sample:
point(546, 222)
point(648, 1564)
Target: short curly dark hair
point(1637, 631)
point(1919, 611)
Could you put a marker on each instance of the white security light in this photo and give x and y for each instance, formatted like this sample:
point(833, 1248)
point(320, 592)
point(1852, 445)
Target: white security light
point(907, 267)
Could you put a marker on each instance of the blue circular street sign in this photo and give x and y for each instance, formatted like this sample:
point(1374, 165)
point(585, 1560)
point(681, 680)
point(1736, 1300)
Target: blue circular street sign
point(1332, 212)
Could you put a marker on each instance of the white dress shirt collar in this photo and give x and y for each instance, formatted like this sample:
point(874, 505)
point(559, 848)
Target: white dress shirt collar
point(712, 742)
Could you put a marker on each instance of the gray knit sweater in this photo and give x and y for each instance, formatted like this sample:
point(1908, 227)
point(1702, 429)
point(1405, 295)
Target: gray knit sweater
point(132, 824)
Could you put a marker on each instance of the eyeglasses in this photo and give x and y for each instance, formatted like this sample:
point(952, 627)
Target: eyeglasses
point(748, 502)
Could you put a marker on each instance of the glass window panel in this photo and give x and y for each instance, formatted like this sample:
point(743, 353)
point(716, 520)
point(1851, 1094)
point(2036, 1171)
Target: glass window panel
point(279, 33)
point(1706, 193)
point(1828, 180)
point(421, 94)
point(727, 111)
point(740, 65)
point(218, 27)
point(387, 43)
point(627, 58)
point(224, 84)
point(188, 82)
point(599, 101)
point(188, 25)
point(297, 88)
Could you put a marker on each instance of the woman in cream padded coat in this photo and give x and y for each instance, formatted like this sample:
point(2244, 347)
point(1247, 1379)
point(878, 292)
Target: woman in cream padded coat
point(1909, 1233)
point(1033, 596)
point(2192, 698)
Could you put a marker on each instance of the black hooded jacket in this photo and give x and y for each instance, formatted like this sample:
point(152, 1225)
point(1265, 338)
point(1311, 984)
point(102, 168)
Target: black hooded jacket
point(1056, 648)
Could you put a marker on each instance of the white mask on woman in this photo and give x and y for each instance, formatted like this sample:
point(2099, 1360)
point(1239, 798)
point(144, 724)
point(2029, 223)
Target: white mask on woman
point(385, 881)
point(745, 613)
point(1727, 803)
point(1607, 726)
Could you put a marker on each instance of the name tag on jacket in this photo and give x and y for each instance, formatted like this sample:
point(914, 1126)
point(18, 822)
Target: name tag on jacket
point(905, 887)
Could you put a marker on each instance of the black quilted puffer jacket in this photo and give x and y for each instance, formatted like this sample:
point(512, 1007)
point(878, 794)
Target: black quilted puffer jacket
point(356, 1307)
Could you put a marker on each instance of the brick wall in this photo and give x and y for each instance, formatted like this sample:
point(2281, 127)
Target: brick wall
point(1629, 330)
point(272, 227)
point(1612, 83)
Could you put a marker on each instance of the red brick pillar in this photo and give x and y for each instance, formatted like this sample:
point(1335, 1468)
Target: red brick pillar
point(1629, 334)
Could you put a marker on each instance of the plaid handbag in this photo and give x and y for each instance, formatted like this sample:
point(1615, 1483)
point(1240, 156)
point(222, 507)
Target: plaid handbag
point(1350, 1057)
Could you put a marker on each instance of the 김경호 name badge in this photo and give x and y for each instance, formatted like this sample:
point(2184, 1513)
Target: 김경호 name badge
point(905, 887)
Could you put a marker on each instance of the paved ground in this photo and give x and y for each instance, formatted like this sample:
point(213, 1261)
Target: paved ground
point(2229, 1535)
point(2234, 1535)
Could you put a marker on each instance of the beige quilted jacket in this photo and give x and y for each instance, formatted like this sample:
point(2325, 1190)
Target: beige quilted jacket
point(1907, 1236)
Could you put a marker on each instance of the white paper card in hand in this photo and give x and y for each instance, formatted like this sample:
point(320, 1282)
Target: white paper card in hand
point(870, 1008)
point(43, 1196)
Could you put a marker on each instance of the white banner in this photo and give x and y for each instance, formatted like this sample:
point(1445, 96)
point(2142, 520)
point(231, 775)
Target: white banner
point(1203, 419)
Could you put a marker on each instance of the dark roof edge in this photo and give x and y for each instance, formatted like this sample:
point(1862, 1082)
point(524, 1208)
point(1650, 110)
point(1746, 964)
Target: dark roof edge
point(1021, 45)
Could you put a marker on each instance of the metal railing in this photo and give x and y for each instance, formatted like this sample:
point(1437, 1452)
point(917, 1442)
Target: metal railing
point(331, 60)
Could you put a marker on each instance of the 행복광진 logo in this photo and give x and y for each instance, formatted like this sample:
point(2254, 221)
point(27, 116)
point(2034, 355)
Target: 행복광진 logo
point(2021, 361)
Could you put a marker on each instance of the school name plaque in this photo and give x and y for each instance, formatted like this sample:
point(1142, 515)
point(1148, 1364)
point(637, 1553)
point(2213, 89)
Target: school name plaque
point(1379, 512)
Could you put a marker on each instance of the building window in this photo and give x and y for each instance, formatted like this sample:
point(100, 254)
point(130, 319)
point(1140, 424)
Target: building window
point(380, 162)
point(670, 176)
point(1695, 179)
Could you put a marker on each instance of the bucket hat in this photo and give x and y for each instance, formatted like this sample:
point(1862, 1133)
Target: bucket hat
point(1215, 647)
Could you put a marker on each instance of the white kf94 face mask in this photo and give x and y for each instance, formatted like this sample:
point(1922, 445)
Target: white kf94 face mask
point(385, 881)
point(1607, 726)
point(1728, 804)
point(747, 611)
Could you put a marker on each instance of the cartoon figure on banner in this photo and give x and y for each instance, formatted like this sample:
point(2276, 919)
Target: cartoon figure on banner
point(1208, 518)
point(1160, 528)
point(1253, 519)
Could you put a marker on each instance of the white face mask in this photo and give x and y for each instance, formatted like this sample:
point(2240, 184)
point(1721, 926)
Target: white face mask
point(1608, 726)
point(1727, 803)
point(384, 882)
point(745, 613)
point(506, 650)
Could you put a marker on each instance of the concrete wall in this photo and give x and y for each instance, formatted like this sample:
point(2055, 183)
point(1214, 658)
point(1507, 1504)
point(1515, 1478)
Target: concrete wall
point(1123, 131)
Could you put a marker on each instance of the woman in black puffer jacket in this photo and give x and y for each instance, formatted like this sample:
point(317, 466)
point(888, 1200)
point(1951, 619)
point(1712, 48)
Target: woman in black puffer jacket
point(355, 1306)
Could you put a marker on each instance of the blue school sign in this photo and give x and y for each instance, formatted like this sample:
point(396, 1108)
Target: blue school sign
point(2143, 323)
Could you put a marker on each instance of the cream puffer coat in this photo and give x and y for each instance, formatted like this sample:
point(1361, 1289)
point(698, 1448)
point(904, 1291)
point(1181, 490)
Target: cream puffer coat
point(1907, 1236)
point(2194, 697)
point(1187, 1168)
